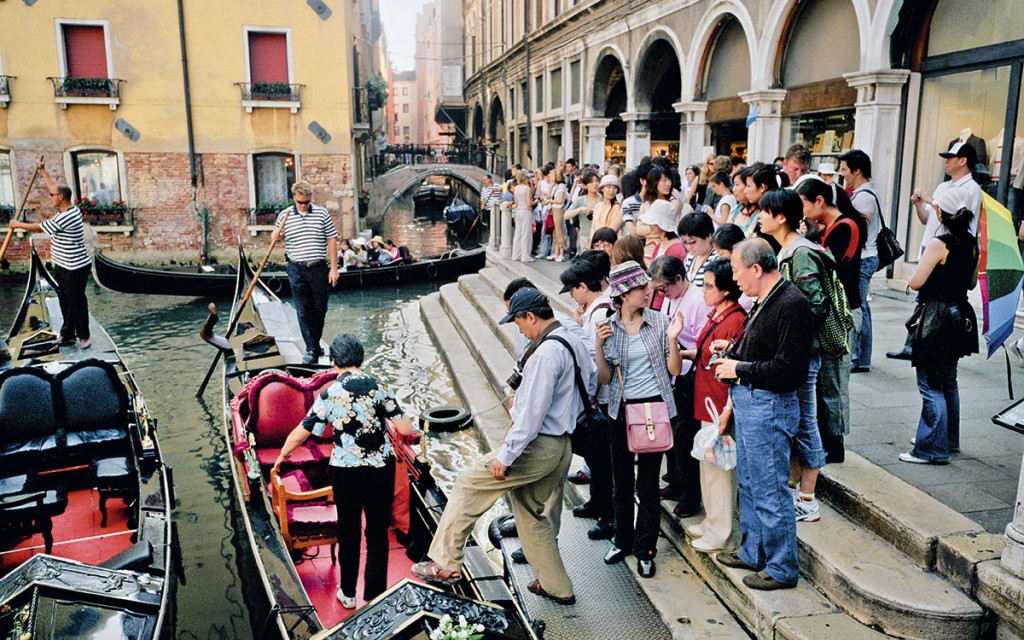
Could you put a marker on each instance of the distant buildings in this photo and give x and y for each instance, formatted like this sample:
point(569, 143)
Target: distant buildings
point(439, 71)
point(406, 125)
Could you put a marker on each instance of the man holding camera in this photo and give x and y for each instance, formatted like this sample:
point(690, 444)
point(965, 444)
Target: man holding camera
point(532, 461)
point(765, 369)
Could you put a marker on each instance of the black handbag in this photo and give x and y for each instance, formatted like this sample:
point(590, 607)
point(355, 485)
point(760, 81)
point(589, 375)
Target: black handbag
point(889, 249)
point(591, 421)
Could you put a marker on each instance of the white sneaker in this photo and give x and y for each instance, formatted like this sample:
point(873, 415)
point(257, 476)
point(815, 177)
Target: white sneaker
point(347, 602)
point(559, 259)
point(704, 546)
point(694, 530)
point(807, 510)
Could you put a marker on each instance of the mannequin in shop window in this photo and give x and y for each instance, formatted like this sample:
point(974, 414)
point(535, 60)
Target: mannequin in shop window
point(967, 136)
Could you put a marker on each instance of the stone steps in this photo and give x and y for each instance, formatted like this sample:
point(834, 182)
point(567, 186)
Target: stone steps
point(869, 561)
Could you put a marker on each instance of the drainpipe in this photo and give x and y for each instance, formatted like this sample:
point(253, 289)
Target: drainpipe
point(527, 95)
point(193, 172)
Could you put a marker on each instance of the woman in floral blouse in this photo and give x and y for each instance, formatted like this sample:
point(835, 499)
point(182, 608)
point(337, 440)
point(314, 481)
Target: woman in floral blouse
point(362, 464)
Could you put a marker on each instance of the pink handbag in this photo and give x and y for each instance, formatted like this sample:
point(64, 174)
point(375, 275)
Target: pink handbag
point(648, 428)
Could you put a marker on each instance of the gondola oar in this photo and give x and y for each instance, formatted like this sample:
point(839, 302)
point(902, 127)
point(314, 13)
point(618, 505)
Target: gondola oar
point(21, 209)
point(241, 307)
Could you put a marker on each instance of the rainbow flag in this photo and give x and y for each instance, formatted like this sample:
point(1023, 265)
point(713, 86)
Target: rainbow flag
point(1000, 270)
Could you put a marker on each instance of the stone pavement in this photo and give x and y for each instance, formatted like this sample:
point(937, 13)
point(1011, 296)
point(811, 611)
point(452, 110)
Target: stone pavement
point(980, 482)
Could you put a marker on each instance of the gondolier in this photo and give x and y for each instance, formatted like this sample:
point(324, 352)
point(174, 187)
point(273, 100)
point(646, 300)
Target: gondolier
point(70, 259)
point(310, 237)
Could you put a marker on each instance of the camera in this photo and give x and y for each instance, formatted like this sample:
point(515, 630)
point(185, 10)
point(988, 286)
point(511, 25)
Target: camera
point(515, 379)
point(721, 355)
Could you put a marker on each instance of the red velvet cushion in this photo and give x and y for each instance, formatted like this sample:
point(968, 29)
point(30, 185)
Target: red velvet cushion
point(281, 408)
point(312, 519)
point(307, 454)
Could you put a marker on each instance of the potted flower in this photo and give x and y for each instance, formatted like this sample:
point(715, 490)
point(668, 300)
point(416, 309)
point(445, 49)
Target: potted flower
point(86, 87)
point(266, 210)
point(464, 630)
point(263, 90)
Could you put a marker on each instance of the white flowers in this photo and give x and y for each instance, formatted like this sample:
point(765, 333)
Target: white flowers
point(447, 630)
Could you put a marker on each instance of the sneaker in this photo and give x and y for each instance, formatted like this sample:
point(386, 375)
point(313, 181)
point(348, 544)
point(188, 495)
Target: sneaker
point(645, 568)
point(310, 357)
point(84, 343)
point(347, 602)
point(603, 530)
point(580, 477)
point(704, 546)
point(559, 259)
point(795, 490)
point(910, 457)
point(807, 510)
point(694, 531)
point(614, 555)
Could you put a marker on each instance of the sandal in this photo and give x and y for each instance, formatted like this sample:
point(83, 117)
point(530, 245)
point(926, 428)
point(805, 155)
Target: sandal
point(535, 588)
point(433, 572)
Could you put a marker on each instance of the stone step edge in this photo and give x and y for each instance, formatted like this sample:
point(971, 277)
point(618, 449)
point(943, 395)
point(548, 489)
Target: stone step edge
point(550, 288)
point(490, 305)
point(495, 361)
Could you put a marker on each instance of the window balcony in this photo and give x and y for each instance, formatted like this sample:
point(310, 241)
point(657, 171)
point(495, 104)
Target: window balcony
point(68, 91)
point(270, 95)
point(263, 217)
point(5, 90)
point(109, 218)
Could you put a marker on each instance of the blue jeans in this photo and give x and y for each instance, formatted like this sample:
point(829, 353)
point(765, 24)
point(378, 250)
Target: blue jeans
point(766, 423)
point(807, 442)
point(938, 431)
point(861, 349)
point(544, 250)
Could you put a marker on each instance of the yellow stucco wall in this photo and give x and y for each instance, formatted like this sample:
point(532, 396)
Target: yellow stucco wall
point(144, 50)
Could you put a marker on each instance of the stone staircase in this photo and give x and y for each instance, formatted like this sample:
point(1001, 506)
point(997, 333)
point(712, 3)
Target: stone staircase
point(885, 560)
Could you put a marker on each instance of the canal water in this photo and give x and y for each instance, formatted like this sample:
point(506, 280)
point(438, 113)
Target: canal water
point(158, 338)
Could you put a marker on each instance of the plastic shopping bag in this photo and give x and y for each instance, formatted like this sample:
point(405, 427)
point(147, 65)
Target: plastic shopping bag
point(722, 453)
point(703, 441)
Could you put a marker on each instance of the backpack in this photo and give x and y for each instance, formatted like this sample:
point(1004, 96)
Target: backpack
point(834, 332)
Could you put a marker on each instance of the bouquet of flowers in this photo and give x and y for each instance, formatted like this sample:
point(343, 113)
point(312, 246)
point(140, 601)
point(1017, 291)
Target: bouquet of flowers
point(464, 630)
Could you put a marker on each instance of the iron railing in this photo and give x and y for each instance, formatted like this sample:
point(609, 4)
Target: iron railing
point(270, 91)
point(396, 155)
point(64, 87)
point(5, 86)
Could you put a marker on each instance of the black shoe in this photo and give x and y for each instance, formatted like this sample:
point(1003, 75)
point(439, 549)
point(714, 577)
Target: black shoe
point(579, 478)
point(585, 510)
point(646, 568)
point(670, 493)
point(64, 341)
point(507, 528)
point(860, 369)
point(518, 556)
point(666, 478)
point(601, 531)
point(732, 559)
point(310, 358)
point(764, 582)
point(903, 354)
point(683, 510)
point(615, 555)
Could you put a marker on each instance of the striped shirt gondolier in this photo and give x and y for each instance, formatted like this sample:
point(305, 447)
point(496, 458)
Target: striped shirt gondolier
point(67, 239)
point(307, 235)
point(487, 194)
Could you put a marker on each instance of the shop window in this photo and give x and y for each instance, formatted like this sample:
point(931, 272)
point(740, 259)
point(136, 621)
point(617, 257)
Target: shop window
point(965, 24)
point(824, 43)
point(273, 177)
point(556, 89)
point(538, 95)
point(97, 177)
point(574, 82)
point(8, 202)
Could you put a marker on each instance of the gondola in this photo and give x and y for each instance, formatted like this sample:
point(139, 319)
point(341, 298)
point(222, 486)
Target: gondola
point(218, 281)
point(289, 520)
point(430, 196)
point(76, 433)
point(460, 216)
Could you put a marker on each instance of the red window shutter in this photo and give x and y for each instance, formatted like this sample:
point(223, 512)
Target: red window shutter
point(85, 49)
point(268, 57)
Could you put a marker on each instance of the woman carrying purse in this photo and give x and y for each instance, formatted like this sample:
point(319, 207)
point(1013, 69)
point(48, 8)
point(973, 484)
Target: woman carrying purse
point(644, 354)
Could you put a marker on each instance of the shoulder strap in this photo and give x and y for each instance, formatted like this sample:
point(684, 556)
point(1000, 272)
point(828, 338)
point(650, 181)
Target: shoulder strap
point(581, 387)
point(854, 239)
point(878, 203)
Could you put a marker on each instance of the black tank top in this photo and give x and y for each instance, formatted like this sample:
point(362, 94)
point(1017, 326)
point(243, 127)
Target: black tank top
point(950, 282)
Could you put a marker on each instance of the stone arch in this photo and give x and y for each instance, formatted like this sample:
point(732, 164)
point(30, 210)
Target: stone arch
point(658, 86)
point(659, 41)
point(496, 120)
point(609, 68)
point(780, 19)
point(707, 29)
point(477, 130)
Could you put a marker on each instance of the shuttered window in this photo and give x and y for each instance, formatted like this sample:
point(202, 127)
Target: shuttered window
point(85, 51)
point(268, 57)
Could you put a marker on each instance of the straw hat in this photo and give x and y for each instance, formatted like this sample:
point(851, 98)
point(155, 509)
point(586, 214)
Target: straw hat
point(626, 276)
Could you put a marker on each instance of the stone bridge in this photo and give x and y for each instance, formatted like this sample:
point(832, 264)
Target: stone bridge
point(387, 188)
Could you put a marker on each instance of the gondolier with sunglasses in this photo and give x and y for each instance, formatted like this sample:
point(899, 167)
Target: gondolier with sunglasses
point(70, 258)
point(311, 242)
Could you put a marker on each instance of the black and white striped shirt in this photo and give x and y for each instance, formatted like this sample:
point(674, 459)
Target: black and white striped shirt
point(67, 239)
point(306, 235)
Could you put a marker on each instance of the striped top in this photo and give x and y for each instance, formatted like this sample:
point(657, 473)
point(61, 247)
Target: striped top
point(67, 239)
point(306, 235)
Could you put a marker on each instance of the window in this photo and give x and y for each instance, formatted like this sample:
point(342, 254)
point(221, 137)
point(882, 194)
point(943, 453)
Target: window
point(268, 57)
point(512, 102)
point(405, 131)
point(574, 82)
point(268, 69)
point(538, 98)
point(525, 99)
point(405, 108)
point(556, 89)
point(86, 73)
point(85, 51)
point(273, 177)
point(7, 200)
point(405, 91)
point(97, 177)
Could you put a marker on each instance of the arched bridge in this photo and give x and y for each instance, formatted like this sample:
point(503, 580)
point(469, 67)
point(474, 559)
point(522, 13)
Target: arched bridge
point(387, 188)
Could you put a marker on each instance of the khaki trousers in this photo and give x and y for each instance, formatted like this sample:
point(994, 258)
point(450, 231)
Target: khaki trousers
point(718, 490)
point(537, 475)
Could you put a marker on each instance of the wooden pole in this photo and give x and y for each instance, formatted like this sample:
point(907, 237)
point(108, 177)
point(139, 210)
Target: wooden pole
point(241, 306)
point(17, 216)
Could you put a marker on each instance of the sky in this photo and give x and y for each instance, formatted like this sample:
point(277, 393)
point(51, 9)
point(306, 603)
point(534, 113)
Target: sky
point(399, 20)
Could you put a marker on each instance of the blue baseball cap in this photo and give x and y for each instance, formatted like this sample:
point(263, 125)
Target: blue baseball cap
point(526, 299)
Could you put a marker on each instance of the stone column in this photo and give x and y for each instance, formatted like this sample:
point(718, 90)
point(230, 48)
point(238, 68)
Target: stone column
point(638, 137)
point(692, 130)
point(506, 232)
point(494, 221)
point(1013, 553)
point(594, 151)
point(763, 137)
point(879, 97)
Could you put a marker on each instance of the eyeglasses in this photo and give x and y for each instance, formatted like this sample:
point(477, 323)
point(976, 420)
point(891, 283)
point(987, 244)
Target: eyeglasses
point(302, 202)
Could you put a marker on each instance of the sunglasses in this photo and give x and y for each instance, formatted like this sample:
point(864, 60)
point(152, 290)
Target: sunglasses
point(302, 202)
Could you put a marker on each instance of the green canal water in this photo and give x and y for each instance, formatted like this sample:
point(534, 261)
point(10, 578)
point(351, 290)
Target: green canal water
point(158, 338)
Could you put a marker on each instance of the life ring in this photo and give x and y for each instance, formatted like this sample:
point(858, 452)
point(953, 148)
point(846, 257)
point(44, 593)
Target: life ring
point(446, 418)
point(494, 530)
point(432, 269)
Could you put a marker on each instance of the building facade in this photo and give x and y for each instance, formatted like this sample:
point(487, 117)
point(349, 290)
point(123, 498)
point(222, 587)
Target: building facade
point(440, 71)
point(615, 81)
point(406, 119)
point(167, 161)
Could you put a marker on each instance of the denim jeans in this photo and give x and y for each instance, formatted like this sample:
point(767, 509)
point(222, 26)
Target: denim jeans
point(938, 431)
point(807, 442)
point(544, 250)
point(766, 423)
point(861, 349)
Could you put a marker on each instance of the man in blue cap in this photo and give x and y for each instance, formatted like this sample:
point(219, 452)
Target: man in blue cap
point(531, 463)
